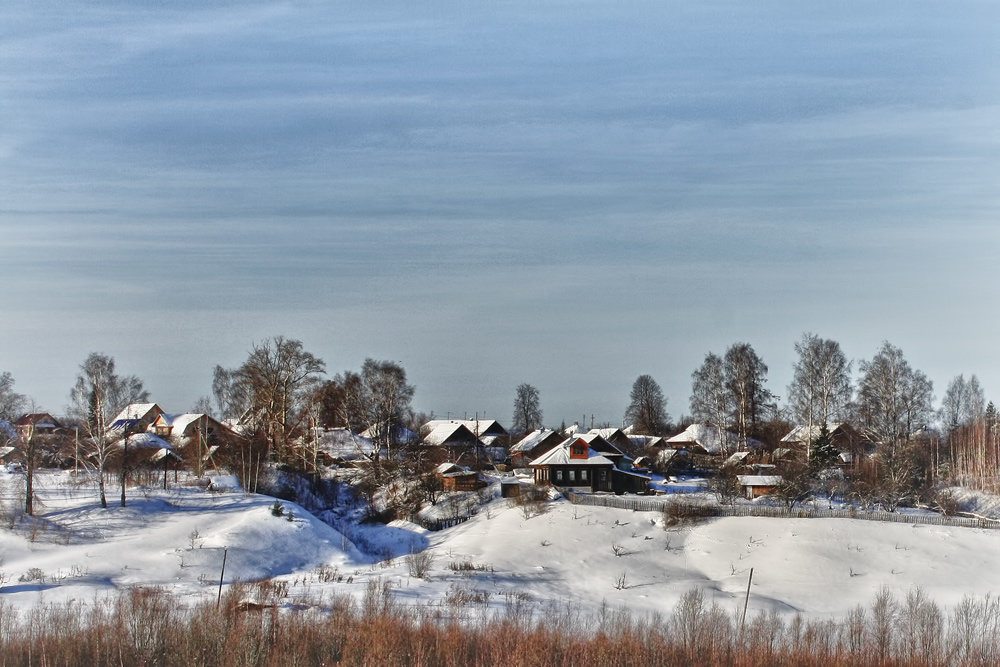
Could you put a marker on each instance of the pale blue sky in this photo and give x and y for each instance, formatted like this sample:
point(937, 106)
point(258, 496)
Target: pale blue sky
point(563, 193)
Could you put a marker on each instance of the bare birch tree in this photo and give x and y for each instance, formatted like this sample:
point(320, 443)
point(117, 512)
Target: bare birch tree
point(894, 400)
point(98, 395)
point(379, 399)
point(710, 402)
point(745, 375)
point(820, 392)
point(963, 412)
point(894, 403)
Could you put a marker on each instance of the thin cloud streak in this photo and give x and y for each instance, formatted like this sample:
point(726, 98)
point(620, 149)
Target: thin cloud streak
point(567, 194)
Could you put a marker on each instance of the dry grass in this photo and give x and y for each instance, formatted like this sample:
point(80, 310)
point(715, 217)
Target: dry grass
point(254, 626)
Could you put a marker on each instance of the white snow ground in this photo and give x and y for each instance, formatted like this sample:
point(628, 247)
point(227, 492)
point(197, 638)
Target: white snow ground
point(580, 558)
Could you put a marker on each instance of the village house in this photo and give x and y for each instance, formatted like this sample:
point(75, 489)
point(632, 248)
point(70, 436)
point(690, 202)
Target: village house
point(577, 465)
point(453, 441)
point(850, 444)
point(708, 439)
point(36, 423)
point(137, 417)
point(458, 478)
point(533, 445)
point(755, 486)
point(185, 429)
point(615, 436)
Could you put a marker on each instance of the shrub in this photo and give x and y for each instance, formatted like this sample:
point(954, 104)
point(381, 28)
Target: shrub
point(682, 512)
point(419, 563)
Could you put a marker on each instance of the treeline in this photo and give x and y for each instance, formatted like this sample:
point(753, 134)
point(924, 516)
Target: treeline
point(145, 626)
point(282, 392)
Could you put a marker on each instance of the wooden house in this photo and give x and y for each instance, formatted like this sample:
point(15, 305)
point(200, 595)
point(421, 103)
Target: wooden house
point(577, 465)
point(185, 428)
point(708, 439)
point(487, 431)
point(458, 478)
point(36, 423)
point(573, 464)
point(136, 417)
point(850, 444)
point(616, 437)
point(533, 445)
point(755, 486)
point(452, 441)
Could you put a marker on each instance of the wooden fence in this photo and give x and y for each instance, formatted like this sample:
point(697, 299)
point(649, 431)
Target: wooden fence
point(640, 504)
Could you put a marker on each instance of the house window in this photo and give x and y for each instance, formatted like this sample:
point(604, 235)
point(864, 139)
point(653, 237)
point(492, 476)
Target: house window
point(558, 475)
point(572, 475)
point(579, 452)
point(583, 475)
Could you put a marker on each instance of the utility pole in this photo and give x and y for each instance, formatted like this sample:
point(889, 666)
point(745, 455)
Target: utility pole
point(128, 428)
point(746, 601)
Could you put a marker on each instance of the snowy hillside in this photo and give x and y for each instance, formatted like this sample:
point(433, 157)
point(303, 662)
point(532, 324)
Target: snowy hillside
point(584, 558)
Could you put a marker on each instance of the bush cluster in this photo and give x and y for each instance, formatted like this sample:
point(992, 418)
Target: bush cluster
point(252, 626)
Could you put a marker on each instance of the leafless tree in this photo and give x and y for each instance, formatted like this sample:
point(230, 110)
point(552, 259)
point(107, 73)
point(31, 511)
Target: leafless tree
point(820, 392)
point(203, 406)
point(647, 409)
point(710, 402)
point(894, 403)
point(894, 400)
point(964, 402)
point(98, 395)
point(527, 410)
point(12, 404)
point(231, 398)
point(278, 377)
point(745, 375)
point(379, 399)
point(968, 432)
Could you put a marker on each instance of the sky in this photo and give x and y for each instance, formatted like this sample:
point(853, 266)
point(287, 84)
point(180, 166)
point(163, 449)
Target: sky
point(568, 194)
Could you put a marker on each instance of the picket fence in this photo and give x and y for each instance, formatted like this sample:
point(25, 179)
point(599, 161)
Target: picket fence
point(656, 504)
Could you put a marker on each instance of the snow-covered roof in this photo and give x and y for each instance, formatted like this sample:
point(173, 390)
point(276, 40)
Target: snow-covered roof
point(38, 420)
point(180, 422)
point(708, 438)
point(163, 453)
point(136, 411)
point(342, 443)
point(643, 441)
point(449, 432)
point(476, 426)
point(598, 442)
point(532, 440)
point(398, 433)
point(559, 456)
point(4, 451)
point(734, 458)
point(146, 440)
point(760, 480)
point(449, 467)
point(806, 433)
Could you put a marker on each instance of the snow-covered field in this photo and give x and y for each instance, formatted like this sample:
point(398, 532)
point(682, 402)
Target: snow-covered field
point(580, 558)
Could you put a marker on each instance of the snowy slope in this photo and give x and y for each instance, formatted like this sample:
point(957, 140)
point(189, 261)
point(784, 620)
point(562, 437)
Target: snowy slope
point(580, 558)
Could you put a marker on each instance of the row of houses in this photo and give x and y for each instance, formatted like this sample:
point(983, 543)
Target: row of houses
point(139, 426)
point(597, 460)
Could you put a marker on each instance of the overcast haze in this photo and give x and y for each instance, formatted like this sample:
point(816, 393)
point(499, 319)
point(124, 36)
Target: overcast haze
point(566, 194)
